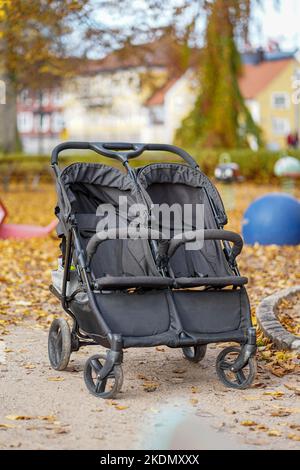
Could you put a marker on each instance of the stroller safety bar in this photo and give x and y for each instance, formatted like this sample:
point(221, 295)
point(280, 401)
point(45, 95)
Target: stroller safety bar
point(122, 151)
point(122, 233)
point(209, 234)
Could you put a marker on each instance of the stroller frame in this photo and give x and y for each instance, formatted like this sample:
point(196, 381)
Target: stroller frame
point(62, 341)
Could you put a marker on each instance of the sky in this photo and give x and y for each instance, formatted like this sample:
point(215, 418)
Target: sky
point(282, 24)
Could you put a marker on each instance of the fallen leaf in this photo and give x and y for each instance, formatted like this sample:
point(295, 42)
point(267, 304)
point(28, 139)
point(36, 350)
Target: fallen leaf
point(295, 426)
point(6, 426)
point(150, 386)
point(262, 427)
point(281, 412)
point(274, 394)
point(29, 366)
point(160, 349)
point(49, 418)
point(293, 388)
point(56, 379)
point(61, 431)
point(19, 417)
point(194, 401)
point(274, 433)
point(294, 437)
point(248, 423)
point(179, 371)
point(194, 389)
point(121, 407)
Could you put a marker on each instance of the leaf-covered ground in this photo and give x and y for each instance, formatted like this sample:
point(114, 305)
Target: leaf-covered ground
point(25, 298)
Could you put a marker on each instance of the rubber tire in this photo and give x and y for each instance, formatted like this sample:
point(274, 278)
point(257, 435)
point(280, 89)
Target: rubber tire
point(252, 370)
point(195, 353)
point(117, 373)
point(59, 326)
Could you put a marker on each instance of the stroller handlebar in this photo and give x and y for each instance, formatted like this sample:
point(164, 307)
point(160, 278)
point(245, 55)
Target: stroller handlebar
point(121, 151)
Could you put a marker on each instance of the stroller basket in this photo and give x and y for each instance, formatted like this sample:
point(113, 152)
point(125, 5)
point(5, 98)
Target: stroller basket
point(126, 289)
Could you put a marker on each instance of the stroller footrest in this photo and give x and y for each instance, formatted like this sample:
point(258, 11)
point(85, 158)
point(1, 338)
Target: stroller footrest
point(122, 282)
point(210, 281)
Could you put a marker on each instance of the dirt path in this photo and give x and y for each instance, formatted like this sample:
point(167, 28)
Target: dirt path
point(63, 415)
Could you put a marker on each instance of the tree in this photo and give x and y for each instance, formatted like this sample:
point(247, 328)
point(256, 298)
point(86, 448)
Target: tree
point(34, 51)
point(220, 117)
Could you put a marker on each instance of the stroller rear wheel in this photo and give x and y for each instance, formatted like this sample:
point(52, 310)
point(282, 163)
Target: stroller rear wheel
point(59, 344)
point(195, 353)
point(240, 379)
point(108, 387)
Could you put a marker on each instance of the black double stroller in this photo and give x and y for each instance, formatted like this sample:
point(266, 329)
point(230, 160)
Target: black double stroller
point(126, 291)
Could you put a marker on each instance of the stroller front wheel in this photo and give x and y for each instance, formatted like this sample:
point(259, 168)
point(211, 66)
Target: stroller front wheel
point(195, 353)
point(239, 379)
point(108, 387)
point(59, 344)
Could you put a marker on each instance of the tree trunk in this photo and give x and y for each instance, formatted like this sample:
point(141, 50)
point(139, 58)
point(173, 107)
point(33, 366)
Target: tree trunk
point(8, 119)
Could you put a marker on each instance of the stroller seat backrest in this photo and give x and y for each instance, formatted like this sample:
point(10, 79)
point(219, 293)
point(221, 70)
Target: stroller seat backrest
point(90, 188)
point(174, 183)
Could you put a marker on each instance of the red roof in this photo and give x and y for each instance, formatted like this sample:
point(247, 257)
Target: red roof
point(162, 52)
point(256, 77)
point(159, 95)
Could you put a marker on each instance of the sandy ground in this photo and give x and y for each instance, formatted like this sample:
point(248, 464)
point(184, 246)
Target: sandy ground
point(189, 406)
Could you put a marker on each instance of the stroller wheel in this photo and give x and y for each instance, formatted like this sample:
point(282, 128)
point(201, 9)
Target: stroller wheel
point(241, 379)
point(108, 387)
point(195, 353)
point(59, 344)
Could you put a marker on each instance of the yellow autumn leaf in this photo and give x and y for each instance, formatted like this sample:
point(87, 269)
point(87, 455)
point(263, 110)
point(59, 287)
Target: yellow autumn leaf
point(294, 437)
point(6, 426)
point(274, 394)
point(274, 433)
point(194, 401)
point(19, 417)
point(248, 423)
point(48, 418)
point(56, 379)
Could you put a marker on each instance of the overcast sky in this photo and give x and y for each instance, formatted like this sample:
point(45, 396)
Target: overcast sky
point(282, 24)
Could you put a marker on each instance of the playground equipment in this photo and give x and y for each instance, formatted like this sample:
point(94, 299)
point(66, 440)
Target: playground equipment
point(273, 219)
point(288, 170)
point(226, 173)
point(22, 231)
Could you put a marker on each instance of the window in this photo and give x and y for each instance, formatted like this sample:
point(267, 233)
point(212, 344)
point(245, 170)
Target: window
point(25, 97)
point(44, 98)
point(25, 122)
point(57, 124)
point(57, 98)
point(157, 115)
point(42, 122)
point(280, 126)
point(280, 100)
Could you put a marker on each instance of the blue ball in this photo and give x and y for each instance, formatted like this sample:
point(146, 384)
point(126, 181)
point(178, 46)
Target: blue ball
point(272, 219)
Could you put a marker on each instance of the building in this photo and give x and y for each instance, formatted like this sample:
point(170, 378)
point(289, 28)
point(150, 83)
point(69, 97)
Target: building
point(269, 86)
point(142, 98)
point(40, 119)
